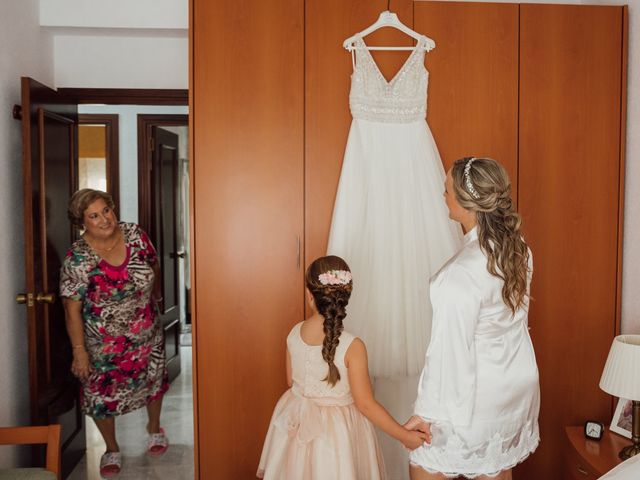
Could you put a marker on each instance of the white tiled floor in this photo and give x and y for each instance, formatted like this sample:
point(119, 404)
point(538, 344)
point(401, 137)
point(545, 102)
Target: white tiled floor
point(177, 421)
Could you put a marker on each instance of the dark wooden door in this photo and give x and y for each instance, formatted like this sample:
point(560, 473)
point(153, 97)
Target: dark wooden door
point(49, 154)
point(164, 210)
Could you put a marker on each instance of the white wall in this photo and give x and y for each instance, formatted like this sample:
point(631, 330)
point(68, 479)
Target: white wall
point(128, 154)
point(24, 51)
point(115, 13)
point(119, 43)
point(631, 255)
point(121, 59)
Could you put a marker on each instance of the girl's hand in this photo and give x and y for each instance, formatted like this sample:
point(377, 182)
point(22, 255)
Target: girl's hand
point(414, 439)
point(419, 424)
point(80, 365)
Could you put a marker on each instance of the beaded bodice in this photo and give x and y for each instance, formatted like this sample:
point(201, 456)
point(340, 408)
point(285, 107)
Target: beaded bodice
point(403, 99)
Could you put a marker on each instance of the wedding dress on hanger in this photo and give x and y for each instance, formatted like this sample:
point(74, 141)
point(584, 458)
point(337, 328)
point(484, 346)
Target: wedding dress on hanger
point(390, 223)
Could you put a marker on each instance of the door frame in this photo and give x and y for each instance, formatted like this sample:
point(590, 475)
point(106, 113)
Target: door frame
point(146, 148)
point(127, 96)
point(146, 122)
point(132, 96)
point(112, 150)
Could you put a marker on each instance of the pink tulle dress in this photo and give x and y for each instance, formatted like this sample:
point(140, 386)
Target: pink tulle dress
point(316, 431)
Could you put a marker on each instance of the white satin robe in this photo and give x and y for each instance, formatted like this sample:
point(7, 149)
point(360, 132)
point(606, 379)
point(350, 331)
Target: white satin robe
point(479, 386)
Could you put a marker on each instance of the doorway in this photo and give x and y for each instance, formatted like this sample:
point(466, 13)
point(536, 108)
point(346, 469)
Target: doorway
point(98, 147)
point(57, 161)
point(154, 172)
point(163, 193)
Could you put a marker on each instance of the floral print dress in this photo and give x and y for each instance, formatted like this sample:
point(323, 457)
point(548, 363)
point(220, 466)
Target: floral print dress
point(122, 332)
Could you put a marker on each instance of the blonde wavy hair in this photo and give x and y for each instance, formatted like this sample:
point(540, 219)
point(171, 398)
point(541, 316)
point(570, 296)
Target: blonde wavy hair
point(499, 235)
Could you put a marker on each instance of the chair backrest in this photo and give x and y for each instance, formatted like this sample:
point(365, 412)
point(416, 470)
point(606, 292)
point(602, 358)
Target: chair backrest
point(49, 434)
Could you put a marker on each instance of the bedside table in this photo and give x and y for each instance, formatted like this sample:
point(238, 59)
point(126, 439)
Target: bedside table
point(590, 459)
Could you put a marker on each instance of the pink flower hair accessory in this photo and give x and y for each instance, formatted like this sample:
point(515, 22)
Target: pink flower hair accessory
point(335, 277)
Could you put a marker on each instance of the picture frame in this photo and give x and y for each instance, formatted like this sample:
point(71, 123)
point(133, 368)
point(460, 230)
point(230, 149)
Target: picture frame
point(621, 421)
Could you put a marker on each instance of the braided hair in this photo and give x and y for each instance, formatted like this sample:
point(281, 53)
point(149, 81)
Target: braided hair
point(482, 185)
point(331, 301)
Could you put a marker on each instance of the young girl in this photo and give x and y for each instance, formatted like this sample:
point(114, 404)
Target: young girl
point(319, 429)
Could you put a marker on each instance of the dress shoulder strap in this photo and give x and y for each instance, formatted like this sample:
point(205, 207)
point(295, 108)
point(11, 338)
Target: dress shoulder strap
point(352, 49)
point(294, 335)
point(358, 49)
point(346, 339)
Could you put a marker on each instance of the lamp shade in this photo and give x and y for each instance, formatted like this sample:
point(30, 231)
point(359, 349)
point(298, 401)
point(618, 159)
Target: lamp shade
point(621, 375)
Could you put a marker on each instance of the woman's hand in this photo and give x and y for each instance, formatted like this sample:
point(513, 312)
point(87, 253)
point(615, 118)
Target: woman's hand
point(75, 328)
point(419, 424)
point(80, 365)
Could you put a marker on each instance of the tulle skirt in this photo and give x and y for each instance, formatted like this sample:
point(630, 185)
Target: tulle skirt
point(317, 439)
point(391, 224)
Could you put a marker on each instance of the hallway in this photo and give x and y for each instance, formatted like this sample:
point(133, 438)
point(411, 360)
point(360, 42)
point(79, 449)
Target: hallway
point(177, 420)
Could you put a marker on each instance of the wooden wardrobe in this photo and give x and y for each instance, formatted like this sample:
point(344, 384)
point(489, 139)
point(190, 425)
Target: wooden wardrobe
point(542, 88)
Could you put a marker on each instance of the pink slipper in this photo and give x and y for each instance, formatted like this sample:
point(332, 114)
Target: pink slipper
point(157, 444)
point(110, 464)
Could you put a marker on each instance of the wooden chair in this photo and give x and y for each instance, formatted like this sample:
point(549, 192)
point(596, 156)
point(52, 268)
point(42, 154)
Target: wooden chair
point(29, 436)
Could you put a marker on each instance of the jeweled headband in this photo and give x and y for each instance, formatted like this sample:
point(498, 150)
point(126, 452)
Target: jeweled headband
point(467, 179)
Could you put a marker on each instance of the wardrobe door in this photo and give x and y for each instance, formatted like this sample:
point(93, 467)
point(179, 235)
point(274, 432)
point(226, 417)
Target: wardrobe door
point(247, 127)
point(473, 79)
point(571, 77)
point(327, 83)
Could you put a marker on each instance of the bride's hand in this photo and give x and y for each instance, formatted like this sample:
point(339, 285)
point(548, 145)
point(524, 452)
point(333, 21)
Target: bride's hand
point(419, 424)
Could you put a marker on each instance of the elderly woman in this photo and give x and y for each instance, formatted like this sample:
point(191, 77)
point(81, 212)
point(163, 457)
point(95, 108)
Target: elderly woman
point(109, 284)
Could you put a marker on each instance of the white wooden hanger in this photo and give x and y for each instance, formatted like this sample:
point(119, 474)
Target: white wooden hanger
point(388, 19)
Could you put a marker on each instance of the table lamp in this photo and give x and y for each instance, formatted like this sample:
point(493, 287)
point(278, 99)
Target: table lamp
point(621, 378)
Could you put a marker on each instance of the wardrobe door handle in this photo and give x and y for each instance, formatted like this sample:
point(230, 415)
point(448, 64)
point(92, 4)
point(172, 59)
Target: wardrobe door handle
point(298, 252)
point(583, 471)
